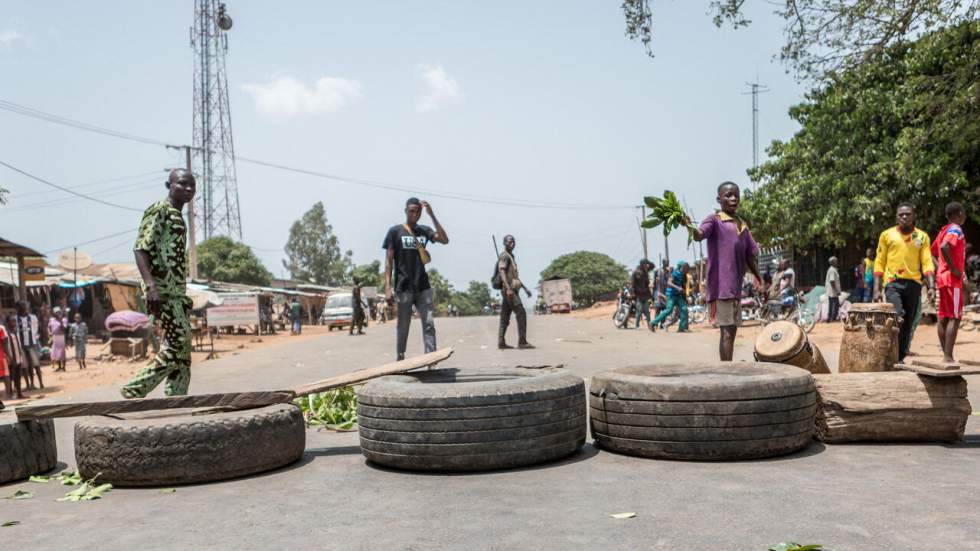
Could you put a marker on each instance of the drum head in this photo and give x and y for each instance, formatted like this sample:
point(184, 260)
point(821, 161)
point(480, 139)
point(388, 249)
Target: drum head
point(873, 308)
point(780, 340)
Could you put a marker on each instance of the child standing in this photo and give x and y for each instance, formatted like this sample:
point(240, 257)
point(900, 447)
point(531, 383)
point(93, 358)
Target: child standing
point(79, 331)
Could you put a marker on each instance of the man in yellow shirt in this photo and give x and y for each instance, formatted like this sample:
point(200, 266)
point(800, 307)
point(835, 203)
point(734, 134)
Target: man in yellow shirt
point(902, 262)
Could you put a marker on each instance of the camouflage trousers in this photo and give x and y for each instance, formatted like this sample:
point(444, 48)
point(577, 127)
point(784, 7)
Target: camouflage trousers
point(173, 361)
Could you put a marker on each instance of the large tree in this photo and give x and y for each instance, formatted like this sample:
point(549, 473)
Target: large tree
point(369, 274)
point(592, 274)
point(442, 290)
point(905, 127)
point(471, 301)
point(223, 259)
point(313, 252)
point(826, 36)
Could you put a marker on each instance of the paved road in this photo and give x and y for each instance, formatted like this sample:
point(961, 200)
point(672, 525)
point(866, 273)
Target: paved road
point(855, 497)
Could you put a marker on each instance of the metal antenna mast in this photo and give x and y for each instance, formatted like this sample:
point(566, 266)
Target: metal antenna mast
point(756, 89)
point(214, 146)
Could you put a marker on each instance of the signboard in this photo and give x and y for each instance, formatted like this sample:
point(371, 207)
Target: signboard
point(237, 309)
point(557, 294)
point(33, 269)
point(368, 293)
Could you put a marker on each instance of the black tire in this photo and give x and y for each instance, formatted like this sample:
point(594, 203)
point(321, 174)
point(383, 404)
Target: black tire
point(185, 448)
point(469, 420)
point(621, 316)
point(26, 448)
point(714, 411)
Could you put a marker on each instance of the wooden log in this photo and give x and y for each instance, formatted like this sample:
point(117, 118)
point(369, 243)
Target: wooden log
point(920, 369)
point(354, 377)
point(229, 401)
point(890, 407)
point(232, 400)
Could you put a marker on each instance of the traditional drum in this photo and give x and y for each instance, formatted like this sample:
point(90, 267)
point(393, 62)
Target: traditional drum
point(870, 341)
point(785, 342)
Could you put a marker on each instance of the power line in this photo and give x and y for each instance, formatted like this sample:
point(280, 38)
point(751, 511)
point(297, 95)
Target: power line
point(111, 192)
point(90, 184)
point(90, 241)
point(116, 246)
point(67, 190)
point(34, 113)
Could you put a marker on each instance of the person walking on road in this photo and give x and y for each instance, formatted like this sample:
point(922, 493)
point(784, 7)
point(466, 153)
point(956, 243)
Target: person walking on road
point(357, 309)
point(869, 275)
point(14, 353)
point(676, 298)
point(731, 250)
point(832, 283)
point(296, 316)
point(641, 290)
point(161, 256)
point(903, 261)
point(510, 287)
point(405, 278)
point(950, 250)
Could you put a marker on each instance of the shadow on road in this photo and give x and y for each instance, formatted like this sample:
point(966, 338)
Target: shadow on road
point(585, 453)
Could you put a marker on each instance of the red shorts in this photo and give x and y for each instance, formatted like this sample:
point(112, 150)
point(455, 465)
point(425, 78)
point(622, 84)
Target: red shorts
point(951, 302)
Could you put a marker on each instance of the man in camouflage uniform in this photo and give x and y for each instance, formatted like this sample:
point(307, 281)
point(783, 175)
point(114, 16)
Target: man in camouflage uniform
point(161, 256)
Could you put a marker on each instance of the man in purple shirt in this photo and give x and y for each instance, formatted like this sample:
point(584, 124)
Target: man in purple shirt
point(731, 250)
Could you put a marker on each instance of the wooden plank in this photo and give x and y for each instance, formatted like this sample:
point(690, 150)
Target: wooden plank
point(355, 377)
point(233, 400)
point(935, 364)
point(971, 363)
point(931, 372)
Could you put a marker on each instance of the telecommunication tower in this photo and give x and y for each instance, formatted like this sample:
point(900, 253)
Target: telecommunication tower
point(214, 147)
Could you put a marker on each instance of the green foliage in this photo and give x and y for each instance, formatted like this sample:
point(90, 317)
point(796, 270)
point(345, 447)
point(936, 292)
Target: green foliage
point(472, 301)
point(369, 274)
point(824, 37)
point(903, 128)
point(223, 259)
point(790, 546)
point(592, 274)
point(334, 409)
point(667, 212)
point(313, 251)
point(442, 290)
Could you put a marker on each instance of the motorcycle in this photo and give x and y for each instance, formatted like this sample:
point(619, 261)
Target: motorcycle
point(790, 308)
point(626, 307)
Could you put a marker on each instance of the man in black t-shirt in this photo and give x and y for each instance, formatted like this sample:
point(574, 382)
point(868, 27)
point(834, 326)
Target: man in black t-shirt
point(405, 248)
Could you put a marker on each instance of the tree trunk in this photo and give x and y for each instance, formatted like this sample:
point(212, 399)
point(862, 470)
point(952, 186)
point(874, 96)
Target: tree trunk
point(891, 407)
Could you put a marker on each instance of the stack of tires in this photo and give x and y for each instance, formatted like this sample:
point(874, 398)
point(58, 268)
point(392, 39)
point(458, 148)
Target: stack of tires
point(709, 411)
point(469, 420)
point(26, 448)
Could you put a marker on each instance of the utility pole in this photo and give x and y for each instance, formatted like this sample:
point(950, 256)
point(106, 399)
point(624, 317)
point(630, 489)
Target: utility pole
point(191, 220)
point(643, 231)
point(755, 90)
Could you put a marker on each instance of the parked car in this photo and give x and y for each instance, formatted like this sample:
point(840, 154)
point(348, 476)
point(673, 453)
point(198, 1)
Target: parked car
point(338, 311)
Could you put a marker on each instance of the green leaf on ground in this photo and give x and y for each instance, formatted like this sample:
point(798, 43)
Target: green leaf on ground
point(334, 409)
point(21, 494)
point(790, 546)
point(70, 478)
point(623, 515)
point(10, 523)
point(87, 491)
point(168, 490)
point(39, 479)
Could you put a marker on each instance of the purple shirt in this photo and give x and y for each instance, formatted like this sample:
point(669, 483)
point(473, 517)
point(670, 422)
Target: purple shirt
point(728, 251)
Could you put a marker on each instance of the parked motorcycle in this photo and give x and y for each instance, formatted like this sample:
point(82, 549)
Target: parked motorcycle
point(790, 308)
point(626, 307)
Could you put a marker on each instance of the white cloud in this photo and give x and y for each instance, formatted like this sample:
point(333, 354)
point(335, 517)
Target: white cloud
point(287, 96)
point(9, 36)
point(441, 89)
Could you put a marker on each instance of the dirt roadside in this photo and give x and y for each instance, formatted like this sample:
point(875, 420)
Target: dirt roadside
point(117, 371)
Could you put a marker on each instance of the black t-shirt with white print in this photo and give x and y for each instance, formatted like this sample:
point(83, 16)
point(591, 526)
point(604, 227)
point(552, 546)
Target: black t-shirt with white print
point(409, 271)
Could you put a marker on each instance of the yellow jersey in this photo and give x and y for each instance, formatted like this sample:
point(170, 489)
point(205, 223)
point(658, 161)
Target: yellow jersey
point(902, 256)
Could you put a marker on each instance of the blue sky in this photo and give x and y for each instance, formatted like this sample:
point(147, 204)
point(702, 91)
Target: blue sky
point(536, 101)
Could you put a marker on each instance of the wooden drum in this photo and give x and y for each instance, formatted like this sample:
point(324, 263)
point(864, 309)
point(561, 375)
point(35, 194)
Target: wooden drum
point(785, 342)
point(870, 341)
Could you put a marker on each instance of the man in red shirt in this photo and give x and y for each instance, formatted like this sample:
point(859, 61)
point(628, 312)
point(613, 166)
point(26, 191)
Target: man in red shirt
point(950, 248)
